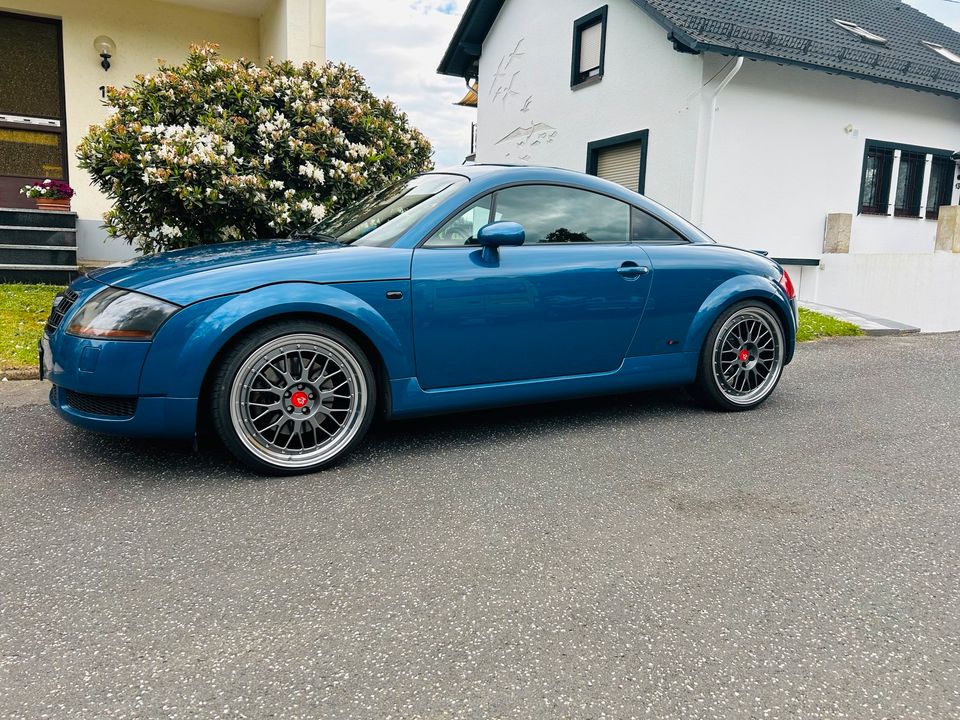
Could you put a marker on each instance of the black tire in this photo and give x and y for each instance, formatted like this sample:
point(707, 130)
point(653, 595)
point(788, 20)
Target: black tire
point(258, 387)
point(741, 360)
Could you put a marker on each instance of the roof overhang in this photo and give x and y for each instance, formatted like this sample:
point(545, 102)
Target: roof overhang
point(463, 53)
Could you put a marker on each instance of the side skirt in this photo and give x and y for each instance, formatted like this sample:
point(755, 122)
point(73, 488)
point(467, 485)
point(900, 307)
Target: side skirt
point(636, 373)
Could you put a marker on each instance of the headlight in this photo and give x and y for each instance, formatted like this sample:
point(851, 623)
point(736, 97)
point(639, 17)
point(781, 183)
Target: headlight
point(115, 314)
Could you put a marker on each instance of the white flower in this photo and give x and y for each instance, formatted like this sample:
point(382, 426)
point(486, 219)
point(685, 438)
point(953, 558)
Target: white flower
point(170, 231)
point(309, 170)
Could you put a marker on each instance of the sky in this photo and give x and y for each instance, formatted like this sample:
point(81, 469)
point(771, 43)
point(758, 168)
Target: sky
point(397, 45)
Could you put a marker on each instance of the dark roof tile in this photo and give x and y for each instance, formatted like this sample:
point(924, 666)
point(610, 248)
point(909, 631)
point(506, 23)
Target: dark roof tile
point(803, 32)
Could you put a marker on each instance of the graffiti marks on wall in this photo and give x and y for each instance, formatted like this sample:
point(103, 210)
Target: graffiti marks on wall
point(530, 136)
point(510, 89)
point(506, 80)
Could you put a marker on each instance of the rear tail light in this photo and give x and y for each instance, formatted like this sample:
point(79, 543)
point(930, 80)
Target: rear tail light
point(787, 284)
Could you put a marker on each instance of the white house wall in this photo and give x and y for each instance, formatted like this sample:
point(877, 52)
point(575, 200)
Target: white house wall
point(788, 149)
point(528, 114)
point(919, 289)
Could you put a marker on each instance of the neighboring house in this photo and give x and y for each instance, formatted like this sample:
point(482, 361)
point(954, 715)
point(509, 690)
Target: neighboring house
point(51, 87)
point(820, 131)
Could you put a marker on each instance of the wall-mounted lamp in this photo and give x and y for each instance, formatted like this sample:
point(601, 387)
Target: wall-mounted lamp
point(105, 48)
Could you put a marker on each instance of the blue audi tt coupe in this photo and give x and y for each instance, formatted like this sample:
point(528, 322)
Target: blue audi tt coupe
point(474, 287)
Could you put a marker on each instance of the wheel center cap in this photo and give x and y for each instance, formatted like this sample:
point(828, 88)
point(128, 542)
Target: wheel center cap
point(744, 355)
point(299, 399)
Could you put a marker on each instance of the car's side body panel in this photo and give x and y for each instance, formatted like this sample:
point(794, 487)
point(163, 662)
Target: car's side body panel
point(187, 276)
point(634, 374)
point(534, 312)
point(692, 285)
point(187, 345)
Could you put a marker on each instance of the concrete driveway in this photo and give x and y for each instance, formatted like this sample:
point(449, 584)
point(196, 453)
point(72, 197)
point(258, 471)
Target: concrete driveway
point(627, 557)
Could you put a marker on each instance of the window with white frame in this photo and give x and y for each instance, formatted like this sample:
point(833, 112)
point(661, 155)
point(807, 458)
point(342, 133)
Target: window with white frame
point(877, 170)
point(905, 180)
point(589, 47)
point(940, 186)
point(909, 184)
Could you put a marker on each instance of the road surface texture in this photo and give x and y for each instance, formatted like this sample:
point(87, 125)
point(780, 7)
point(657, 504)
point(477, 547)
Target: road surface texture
point(624, 557)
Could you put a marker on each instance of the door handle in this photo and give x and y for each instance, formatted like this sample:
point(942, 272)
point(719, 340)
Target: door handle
point(632, 271)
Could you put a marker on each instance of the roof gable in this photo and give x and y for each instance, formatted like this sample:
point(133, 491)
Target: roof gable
point(796, 32)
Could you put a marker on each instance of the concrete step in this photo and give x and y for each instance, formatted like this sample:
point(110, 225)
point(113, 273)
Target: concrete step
point(47, 274)
point(38, 246)
point(868, 323)
point(38, 255)
point(38, 218)
point(52, 237)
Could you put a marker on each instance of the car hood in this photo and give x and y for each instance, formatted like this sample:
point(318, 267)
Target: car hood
point(186, 276)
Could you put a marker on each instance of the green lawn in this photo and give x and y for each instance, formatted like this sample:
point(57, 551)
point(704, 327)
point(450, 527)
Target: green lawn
point(813, 326)
point(23, 311)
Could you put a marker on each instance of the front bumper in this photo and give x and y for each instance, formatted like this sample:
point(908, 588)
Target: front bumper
point(96, 383)
point(152, 417)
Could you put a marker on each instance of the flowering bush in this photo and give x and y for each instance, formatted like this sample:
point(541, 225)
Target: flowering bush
point(212, 151)
point(53, 189)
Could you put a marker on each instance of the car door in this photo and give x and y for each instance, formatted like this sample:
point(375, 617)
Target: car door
point(566, 302)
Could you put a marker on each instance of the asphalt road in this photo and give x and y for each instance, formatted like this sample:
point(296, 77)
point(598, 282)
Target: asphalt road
point(626, 557)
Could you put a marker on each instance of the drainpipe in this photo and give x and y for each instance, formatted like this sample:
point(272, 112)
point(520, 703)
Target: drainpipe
point(701, 190)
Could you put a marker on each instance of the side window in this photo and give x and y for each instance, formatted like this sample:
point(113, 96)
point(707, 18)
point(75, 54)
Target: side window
point(589, 45)
point(941, 184)
point(553, 214)
point(462, 229)
point(877, 172)
point(647, 229)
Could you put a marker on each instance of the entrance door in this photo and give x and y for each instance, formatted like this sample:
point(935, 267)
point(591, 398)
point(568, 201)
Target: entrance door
point(32, 127)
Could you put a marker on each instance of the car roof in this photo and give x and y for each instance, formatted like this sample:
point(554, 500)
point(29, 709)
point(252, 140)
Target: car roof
point(476, 170)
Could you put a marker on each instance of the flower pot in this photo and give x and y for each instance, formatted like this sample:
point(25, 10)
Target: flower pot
point(53, 203)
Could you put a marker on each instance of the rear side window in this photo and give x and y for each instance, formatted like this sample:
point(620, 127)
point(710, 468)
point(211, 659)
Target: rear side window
point(645, 228)
point(554, 214)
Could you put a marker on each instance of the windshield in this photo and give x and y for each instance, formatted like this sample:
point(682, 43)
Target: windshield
point(380, 218)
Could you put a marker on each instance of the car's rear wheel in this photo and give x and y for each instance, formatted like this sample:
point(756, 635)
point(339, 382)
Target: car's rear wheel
point(742, 358)
point(293, 397)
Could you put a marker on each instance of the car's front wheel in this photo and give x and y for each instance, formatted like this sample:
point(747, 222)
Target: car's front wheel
point(742, 358)
point(293, 397)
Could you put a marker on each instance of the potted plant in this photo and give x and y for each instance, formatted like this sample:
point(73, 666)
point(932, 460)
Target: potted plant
point(49, 194)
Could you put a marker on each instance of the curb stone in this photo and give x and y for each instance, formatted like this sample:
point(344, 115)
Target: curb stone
point(19, 374)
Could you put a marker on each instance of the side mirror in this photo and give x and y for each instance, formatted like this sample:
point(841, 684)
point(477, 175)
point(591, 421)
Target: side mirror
point(499, 234)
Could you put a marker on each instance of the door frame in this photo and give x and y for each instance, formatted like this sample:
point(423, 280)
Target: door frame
point(12, 183)
point(594, 147)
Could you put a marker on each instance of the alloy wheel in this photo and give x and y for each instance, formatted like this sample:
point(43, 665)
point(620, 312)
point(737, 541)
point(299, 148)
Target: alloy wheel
point(748, 356)
point(298, 400)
